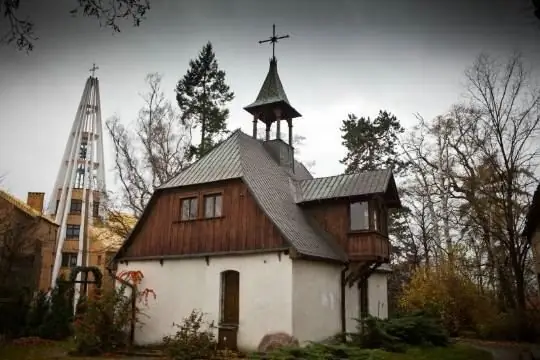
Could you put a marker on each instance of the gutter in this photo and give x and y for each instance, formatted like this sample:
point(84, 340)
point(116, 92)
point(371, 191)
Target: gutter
point(343, 315)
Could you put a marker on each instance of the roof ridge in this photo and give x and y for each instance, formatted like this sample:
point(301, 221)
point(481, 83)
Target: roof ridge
point(350, 174)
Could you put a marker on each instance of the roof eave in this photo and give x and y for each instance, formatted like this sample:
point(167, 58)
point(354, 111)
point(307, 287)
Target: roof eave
point(260, 107)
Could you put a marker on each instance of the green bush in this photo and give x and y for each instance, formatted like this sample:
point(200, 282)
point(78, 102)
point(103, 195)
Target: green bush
point(373, 334)
point(102, 323)
point(194, 339)
point(396, 333)
point(316, 351)
point(504, 326)
point(57, 321)
point(36, 315)
point(14, 307)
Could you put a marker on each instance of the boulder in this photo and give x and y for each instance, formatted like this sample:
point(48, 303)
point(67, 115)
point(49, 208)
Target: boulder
point(276, 340)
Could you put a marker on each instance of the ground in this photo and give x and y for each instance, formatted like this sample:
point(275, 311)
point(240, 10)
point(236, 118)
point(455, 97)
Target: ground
point(506, 350)
point(58, 351)
point(51, 351)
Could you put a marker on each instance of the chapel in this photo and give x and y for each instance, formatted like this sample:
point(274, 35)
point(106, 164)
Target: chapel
point(249, 237)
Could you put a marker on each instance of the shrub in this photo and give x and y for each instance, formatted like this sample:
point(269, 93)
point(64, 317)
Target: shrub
point(38, 312)
point(57, 321)
point(14, 307)
point(102, 324)
point(445, 293)
point(316, 351)
point(194, 339)
point(373, 335)
point(396, 333)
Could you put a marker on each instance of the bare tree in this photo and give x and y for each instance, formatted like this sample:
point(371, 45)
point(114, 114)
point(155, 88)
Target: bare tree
point(486, 151)
point(21, 31)
point(18, 247)
point(505, 130)
point(150, 155)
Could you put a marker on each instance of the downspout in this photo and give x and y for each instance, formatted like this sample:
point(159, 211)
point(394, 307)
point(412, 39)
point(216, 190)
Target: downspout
point(343, 307)
point(133, 303)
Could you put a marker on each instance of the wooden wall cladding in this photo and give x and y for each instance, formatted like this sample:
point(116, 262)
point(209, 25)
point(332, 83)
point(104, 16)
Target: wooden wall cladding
point(243, 226)
point(333, 216)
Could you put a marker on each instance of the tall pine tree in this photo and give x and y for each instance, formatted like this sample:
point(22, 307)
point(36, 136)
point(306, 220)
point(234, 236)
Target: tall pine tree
point(202, 95)
point(372, 144)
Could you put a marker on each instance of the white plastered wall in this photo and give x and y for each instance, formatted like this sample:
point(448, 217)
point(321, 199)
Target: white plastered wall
point(187, 284)
point(316, 300)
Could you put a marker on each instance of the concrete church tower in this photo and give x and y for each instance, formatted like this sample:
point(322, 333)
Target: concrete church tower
point(80, 184)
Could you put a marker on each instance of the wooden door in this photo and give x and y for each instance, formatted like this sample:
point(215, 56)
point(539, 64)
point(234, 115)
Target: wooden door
point(230, 309)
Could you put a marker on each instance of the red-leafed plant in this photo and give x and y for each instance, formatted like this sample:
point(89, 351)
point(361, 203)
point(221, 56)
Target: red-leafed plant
point(108, 317)
point(135, 278)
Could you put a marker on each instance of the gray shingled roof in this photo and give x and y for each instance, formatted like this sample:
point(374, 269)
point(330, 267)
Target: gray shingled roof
point(371, 182)
point(241, 156)
point(272, 89)
point(215, 166)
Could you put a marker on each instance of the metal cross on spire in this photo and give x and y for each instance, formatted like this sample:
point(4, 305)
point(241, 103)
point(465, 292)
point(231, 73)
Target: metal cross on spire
point(93, 69)
point(273, 39)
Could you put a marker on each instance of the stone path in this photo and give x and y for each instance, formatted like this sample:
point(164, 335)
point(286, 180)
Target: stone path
point(507, 351)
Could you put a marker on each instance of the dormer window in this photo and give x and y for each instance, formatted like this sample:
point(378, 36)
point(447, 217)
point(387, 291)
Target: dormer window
point(367, 215)
point(359, 215)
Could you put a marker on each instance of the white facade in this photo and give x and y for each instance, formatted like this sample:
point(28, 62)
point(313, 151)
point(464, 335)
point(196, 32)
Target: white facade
point(277, 294)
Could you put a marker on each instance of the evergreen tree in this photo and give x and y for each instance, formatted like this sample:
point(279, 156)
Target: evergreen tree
point(37, 313)
point(57, 322)
point(202, 95)
point(372, 144)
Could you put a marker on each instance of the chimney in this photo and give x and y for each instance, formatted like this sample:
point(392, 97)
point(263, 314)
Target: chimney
point(35, 200)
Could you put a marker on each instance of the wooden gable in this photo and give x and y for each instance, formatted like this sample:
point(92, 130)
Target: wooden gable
point(242, 226)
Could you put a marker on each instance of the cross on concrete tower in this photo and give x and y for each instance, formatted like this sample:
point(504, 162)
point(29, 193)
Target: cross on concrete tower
point(93, 69)
point(273, 39)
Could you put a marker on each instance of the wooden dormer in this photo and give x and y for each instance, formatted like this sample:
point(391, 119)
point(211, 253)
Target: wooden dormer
point(354, 209)
point(367, 235)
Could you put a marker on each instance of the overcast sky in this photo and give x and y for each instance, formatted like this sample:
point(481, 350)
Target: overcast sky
point(405, 56)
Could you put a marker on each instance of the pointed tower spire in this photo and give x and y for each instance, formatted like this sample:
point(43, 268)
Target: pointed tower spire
point(80, 184)
point(272, 104)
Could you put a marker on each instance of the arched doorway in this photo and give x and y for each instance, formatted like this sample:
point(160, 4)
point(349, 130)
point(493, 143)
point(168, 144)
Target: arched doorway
point(229, 315)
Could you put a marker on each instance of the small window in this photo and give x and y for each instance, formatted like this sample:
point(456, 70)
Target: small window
point(212, 206)
point(83, 150)
point(76, 206)
point(57, 204)
point(359, 216)
point(96, 209)
point(189, 209)
point(69, 259)
point(73, 230)
point(99, 260)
